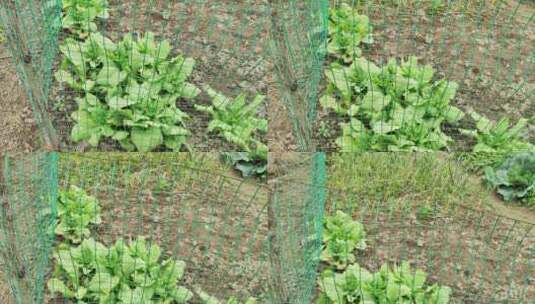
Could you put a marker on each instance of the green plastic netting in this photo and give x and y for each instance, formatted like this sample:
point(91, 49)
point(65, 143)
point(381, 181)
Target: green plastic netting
point(407, 74)
point(298, 35)
point(298, 186)
point(479, 254)
point(234, 237)
point(29, 185)
point(141, 75)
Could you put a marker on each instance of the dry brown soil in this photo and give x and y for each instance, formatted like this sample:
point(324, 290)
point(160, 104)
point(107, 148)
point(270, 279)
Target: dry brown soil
point(17, 129)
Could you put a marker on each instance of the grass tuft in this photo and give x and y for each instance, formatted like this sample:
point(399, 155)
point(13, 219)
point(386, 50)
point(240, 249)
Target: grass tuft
point(420, 179)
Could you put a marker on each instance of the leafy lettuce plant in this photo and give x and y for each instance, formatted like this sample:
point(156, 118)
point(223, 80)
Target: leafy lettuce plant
point(341, 236)
point(495, 141)
point(79, 16)
point(348, 29)
point(122, 273)
point(399, 284)
point(236, 120)
point(397, 107)
point(77, 211)
point(500, 136)
point(515, 178)
point(128, 91)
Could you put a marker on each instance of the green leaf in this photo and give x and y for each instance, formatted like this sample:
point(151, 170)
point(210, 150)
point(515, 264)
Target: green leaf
point(189, 91)
point(120, 135)
point(85, 126)
point(175, 143)
point(375, 101)
point(453, 114)
point(138, 92)
point(146, 140)
point(90, 99)
point(64, 76)
point(395, 291)
point(132, 296)
point(329, 102)
point(73, 53)
point(110, 76)
point(117, 102)
point(153, 254)
point(174, 131)
point(517, 129)
point(57, 286)
point(181, 295)
point(482, 123)
point(103, 283)
point(439, 294)
point(329, 287)
point(342, 236)
point(381, 127)
point(339, 77)
point(164, 49)
point(235, 120)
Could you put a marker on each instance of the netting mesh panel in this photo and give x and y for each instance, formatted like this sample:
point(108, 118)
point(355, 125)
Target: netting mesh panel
point(28, 184)
point(298, 185)
point(298, 37)
point(483, 257)
point(225, 38)
point(31, 28)
point(216, 224)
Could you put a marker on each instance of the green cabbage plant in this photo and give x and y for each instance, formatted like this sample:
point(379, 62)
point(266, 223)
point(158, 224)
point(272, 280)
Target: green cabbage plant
point(514, 179)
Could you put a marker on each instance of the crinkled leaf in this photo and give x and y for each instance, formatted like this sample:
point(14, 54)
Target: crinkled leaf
point(148, 139)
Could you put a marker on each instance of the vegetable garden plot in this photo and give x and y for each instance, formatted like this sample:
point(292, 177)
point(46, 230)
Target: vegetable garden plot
point(381, 250)
point(155, 229)
point(143, 75)
point(417, 75)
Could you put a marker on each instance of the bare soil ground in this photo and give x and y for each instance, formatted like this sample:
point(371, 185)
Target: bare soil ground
point(17, 129)
point(484, 258)
point(226, 39)
point(280, 135)
point(4, 291)
point(488, 53)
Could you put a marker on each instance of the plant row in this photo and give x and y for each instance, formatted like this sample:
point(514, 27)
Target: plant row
point(344, 281)
point(127, 91)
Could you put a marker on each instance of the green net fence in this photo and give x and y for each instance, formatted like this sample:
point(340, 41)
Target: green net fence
point(411, 75)
point(410, 245)
point(29, 187)
point(298, 185)
point(143, 75)
point(153, 228)
point(299, 33)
